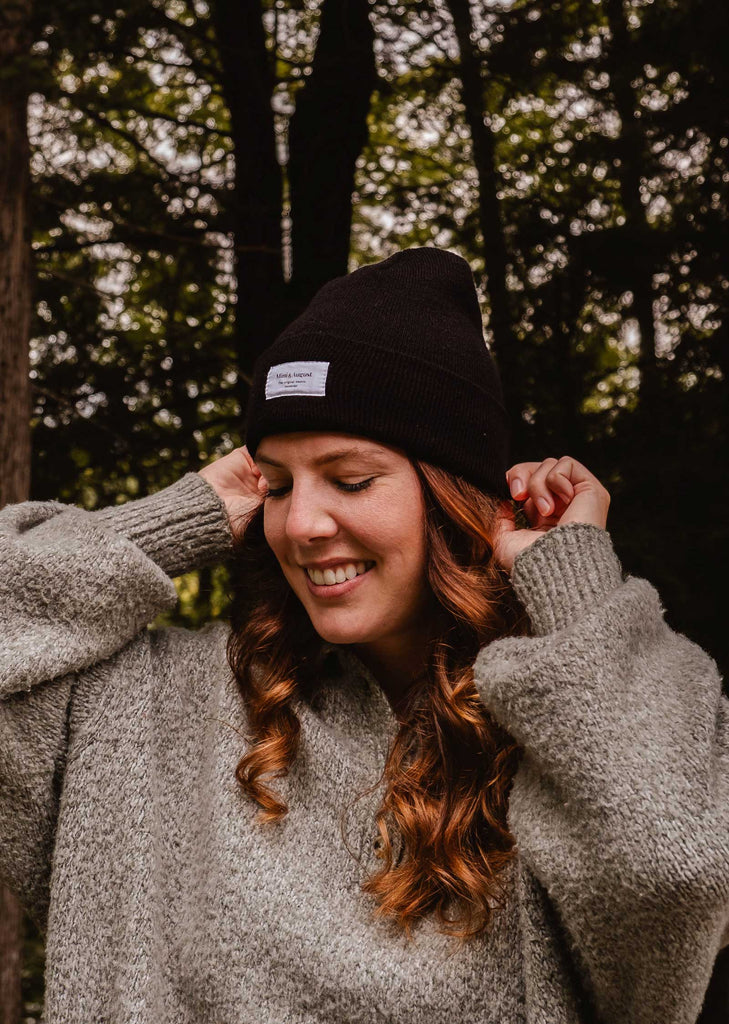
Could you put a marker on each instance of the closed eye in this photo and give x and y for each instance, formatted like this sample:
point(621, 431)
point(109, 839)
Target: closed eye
point(278, 492)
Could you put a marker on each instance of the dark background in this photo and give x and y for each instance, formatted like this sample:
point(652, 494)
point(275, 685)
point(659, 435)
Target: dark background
point(180, 177)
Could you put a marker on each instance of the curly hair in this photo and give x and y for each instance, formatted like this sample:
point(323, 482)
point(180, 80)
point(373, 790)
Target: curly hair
point(450, 767)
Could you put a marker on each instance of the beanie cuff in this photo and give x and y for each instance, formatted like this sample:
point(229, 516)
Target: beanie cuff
point(392, 397)
point(394, 352)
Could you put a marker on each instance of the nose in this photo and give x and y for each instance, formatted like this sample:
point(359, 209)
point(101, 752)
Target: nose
point(309, 516)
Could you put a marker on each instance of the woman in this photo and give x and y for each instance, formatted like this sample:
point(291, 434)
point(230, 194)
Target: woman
point(544, 762)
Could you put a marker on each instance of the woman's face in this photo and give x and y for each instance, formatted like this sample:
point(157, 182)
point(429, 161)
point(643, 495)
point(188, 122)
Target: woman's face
point(346, 520)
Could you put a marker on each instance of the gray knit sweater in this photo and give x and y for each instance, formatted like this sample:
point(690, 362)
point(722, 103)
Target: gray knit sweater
point(122, 825)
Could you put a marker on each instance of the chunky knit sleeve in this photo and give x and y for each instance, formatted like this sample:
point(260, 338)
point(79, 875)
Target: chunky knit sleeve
point(75, 588)
point(620, 805)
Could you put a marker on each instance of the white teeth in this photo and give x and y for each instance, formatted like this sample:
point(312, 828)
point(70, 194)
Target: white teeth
point(343, 572)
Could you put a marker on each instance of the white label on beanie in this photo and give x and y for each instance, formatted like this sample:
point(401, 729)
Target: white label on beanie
point(300, 378)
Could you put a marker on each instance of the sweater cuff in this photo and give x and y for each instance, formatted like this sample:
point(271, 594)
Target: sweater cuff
point(564, 574)
point(182, 527)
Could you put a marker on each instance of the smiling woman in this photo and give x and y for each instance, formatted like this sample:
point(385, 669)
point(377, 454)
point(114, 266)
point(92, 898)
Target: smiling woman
point(340, 507)
point(433, 714)
point(426, 598)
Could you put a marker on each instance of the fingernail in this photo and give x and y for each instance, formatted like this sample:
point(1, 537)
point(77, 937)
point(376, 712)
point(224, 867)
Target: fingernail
point(544, 505)
point(516, 486)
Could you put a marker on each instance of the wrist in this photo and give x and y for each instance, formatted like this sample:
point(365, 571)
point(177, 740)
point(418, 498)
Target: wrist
point(182, 527)
point(564, 573)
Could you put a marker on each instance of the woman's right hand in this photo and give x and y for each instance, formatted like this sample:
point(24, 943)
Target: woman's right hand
point(238, 482)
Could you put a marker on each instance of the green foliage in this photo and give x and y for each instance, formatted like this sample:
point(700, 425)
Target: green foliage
point(132, 241)
point(32, 973)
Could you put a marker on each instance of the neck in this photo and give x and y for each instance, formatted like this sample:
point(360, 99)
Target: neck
point(396, 666)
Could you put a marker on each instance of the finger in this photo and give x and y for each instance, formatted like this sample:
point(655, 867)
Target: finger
point(536, 518)
point(518, 476)
point(552, 486)
point(251, 464)
point(550, 475)
point(538, 488)
point(560, 479)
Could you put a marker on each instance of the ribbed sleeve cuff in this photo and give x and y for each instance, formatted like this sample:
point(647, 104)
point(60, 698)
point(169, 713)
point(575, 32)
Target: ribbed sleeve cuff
point(182, 527)
point(564, 574)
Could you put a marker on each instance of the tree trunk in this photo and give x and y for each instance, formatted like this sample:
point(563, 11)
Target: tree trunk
point(492, 227)
point(14, 262)
point(569, 297)
point(327, 133)
point(631, 150)
point(255, 205)
point(15, 408)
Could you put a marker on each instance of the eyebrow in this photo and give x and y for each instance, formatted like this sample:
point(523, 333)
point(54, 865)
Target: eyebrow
point(323, 460)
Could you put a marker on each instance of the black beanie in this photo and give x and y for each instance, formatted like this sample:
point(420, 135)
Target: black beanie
point(393, 352)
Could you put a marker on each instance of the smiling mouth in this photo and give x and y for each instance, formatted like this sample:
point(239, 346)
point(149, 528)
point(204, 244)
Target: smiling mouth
point(344, 572)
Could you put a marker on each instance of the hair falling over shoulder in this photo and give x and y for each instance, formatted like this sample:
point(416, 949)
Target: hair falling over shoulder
point(450, 767)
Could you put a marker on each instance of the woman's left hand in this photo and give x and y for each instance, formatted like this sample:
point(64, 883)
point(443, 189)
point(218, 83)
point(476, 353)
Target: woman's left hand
point(555, 492)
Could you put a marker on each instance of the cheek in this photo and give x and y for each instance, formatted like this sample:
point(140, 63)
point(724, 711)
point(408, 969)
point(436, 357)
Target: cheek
point(273, 524)
point(402, 537)
point(417, 551)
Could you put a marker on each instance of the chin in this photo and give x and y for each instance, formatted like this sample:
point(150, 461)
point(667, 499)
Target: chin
point(334, 633)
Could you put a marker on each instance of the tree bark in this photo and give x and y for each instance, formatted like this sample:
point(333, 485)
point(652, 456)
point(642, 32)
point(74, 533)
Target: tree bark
point(256, 203)
point(327, 133)
point(631, 151)
point(492, 228)
point(15, 406)
point(14, 261)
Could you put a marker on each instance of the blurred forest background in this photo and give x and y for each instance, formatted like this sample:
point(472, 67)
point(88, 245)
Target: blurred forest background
point(177, 178)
